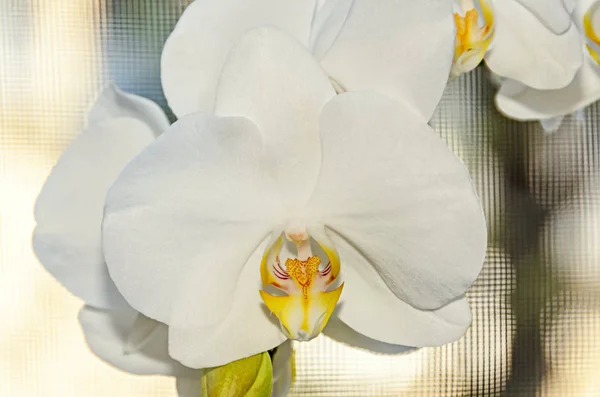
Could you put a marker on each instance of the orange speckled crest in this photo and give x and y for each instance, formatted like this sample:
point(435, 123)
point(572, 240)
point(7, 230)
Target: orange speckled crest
point(303, 272)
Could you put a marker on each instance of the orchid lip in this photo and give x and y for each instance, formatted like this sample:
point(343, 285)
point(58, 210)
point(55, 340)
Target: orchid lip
point(305, 278)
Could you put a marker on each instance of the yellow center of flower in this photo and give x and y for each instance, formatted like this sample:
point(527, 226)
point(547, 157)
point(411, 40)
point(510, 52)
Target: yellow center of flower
point(473, 35)
point(308, 305)
point(592, 36)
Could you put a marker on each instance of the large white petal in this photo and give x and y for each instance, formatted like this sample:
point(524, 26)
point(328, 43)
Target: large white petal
point(69, 209)
point(195, 52)
point(532, 104)
point(184, 217)
point(554, 14)
point(272, 79)
point(107, 333)
point(524, 49)
point(400, 48)
point(391, 187)
point(249, 327)
point(368, 306)
point(339, 331)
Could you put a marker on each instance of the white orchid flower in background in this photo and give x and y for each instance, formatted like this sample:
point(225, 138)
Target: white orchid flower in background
point(292, 190)
point(361, 45)
point(523, 102)
point(533, 42)
point(571, 233)
point(67, 239)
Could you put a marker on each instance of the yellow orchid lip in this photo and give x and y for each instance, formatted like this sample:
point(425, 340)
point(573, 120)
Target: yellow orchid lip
point(473, 35)
point(308, 305)
point(592, 36)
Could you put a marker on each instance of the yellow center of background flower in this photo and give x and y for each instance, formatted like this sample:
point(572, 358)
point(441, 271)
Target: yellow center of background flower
point(472, 37)
point(591, 34)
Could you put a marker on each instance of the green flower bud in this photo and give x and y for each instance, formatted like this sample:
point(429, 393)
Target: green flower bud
point(248, 377)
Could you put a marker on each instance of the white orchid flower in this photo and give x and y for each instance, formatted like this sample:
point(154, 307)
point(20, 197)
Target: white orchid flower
point(533, 42)
point(294, 191)
point(67, 239)
point(361, 45)
point(571, 233)
point(523, 102)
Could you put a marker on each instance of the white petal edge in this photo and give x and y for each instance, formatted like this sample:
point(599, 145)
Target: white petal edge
point(391, 187)
point(554, 14)
point(339, 331)
point(525, 50)
point(249, 327)
point(195, 52)
point(107, 331)
point(552, 124)
point(114, 103)
point(184, 217)
point(69, 209)
point(272, 79)
point(370, 308)
point(327, 25)
point(532, 104)
point(378, 50)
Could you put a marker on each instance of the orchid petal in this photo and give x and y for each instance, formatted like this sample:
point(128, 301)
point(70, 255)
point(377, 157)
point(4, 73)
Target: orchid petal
point(554, 14)
point(247, 329)
point(272, 79)
point(532, 104)
point(394, 190)
point(378, 50)
point(107, 333)
point(524, 49)
point(141, 333)
point(372, 309)
point(185, 216)
point(195, 52)
point(570, 5)
point(114, 103)
point(67, 239)
point(339, 331)
point(328, 23)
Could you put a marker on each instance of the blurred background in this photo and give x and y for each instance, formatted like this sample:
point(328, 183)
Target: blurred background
point(536, 326)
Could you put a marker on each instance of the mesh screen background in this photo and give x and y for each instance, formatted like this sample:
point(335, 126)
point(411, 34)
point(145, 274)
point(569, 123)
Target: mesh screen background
point(536, 306)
